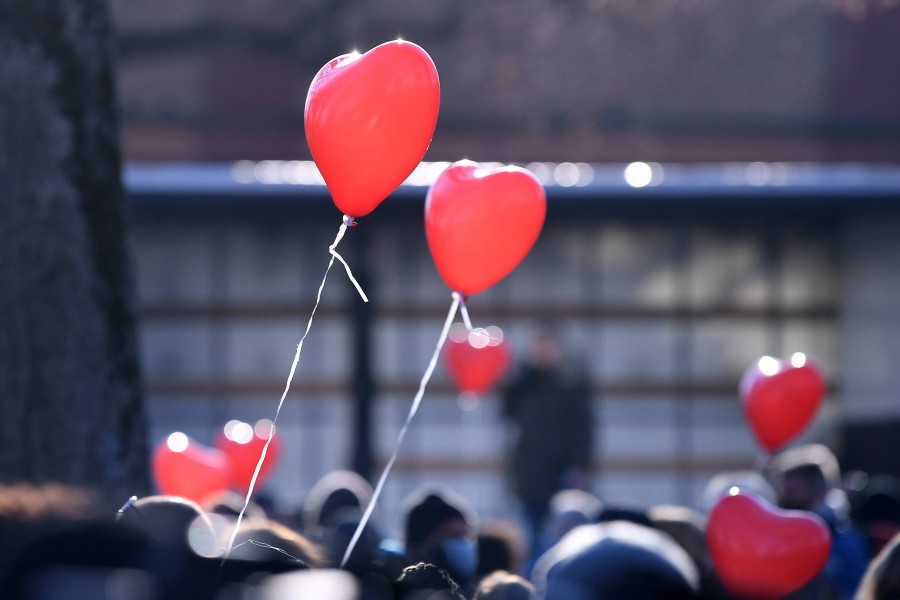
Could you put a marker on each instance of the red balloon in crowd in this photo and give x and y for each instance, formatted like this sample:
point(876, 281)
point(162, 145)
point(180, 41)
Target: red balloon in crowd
point(369, 120)
point(780, 398)
point(761, 551)
point(243, 444)
point(186, 468)
point(476, 360)
point(480, 223)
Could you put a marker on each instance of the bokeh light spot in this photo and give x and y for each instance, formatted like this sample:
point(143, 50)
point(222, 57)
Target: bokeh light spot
point(479, 338)
point(495, 334)
point(798, 359)
point(638, 174)
point(177, 442)
point(768, 365)
point(458, 333)
point(263, 428)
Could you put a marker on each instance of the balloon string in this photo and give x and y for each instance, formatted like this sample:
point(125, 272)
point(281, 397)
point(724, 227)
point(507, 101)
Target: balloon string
point(348, 222)
point(463, 310)
point(287, 387)
point(409, 417)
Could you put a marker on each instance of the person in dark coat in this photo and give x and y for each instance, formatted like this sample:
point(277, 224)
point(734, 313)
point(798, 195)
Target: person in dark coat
point(550, 402)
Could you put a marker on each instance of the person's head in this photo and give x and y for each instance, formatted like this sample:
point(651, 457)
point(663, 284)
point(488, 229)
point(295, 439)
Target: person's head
point(439, 530)
point(272, 541)
point(804, 475)
point(337, 497)
point(332, 511)
point(630, 514)
point(230, 504)
point(688, 528)
point(570, 508)
point(426, 581)
point(877, 510)
point(616, 559)
point(501, 546)
point(501, 585)
point(171, 520)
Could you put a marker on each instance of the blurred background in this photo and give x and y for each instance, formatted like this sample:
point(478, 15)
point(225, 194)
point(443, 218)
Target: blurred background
point(722, 181)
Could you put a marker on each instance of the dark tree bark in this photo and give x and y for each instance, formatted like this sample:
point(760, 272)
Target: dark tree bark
point(71, 408)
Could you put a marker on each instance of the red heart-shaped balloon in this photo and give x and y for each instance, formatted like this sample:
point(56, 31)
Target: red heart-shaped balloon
point(369, 120)
point(243, 446)
point(761, 551)
point(780, 398)
point(480, 223)
point(186, 468)
point(478, 360)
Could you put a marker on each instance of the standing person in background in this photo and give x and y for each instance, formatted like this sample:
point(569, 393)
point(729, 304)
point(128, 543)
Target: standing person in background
point(549, 401)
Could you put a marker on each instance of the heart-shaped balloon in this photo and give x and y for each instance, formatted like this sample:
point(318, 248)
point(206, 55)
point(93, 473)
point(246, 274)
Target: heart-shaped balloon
point(480, 223)
point(243, 445)
point(369, 119)
point(186, 468)
point(780, 398)
point(476, 360)
point(761, 551)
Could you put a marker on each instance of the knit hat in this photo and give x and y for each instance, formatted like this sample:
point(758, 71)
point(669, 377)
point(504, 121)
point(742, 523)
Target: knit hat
point(429, 510)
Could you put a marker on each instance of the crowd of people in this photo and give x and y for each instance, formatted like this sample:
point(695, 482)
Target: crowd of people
point(54, 544)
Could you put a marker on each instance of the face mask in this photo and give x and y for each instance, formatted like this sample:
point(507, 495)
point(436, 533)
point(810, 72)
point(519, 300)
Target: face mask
point(461, 555)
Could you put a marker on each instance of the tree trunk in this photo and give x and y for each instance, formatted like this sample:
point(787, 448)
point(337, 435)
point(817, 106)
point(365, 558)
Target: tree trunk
point(71, 408)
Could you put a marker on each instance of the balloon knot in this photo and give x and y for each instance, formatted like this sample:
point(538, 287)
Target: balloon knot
point(349, 221)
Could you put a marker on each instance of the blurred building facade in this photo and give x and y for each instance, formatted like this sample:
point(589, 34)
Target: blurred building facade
point(669, 296)
point(587, 80)
point(668, 292)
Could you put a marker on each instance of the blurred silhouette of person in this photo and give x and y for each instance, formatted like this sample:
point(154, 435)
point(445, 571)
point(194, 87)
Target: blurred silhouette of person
point(808, 478)
point(440, 530)
point(549, 401)
point(172, 520)
point(501, 547)
point(228, 503)
point(616, 559)
point(568, 509)
point(331, 513)
point(271, 541)
point(501, 585)
point(877, 510)
point(688, 528)
point(426, 581)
